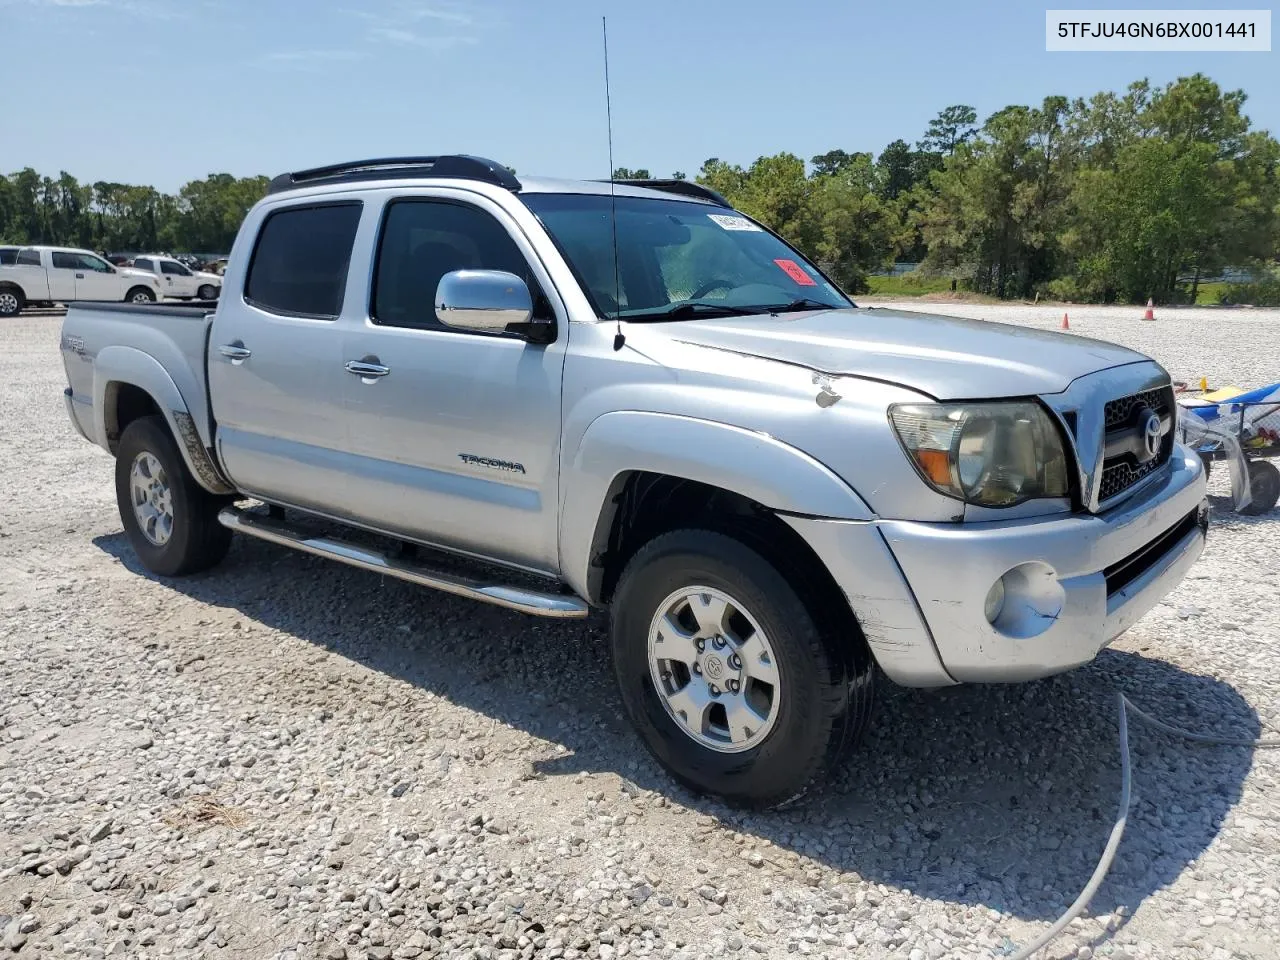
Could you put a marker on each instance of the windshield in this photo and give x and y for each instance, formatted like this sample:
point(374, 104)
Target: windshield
point(677, 259)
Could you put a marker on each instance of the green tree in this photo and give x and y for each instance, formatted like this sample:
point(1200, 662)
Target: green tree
point(952, 127)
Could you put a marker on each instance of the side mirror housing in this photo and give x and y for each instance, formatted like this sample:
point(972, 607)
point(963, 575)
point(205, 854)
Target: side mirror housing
point(487, 301)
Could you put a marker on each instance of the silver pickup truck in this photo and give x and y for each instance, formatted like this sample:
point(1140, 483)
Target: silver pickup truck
point(558, 395)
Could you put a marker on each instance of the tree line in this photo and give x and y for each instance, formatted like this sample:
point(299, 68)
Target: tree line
point(202, 217)
point(1119, 197)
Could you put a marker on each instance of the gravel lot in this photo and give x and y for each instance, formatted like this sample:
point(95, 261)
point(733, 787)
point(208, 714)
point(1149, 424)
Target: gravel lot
point(290, 758)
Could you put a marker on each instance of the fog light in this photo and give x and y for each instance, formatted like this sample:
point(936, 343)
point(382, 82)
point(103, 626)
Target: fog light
point(995, 601)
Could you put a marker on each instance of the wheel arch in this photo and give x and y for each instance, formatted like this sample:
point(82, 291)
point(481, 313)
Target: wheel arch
point(621, 449)
point(128, 384)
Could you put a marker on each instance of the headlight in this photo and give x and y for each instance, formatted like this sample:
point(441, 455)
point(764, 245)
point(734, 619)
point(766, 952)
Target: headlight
point(988, 454)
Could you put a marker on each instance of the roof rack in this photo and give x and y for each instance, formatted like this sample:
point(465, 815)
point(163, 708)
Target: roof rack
point(687, 188)
point(456, 166)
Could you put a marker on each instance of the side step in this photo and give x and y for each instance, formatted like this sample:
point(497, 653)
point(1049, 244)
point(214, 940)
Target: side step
point(514, 598)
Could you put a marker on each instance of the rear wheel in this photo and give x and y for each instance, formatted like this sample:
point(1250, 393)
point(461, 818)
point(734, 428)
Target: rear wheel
point(10, 301)
point(726, 674)
point(170, 520)
point(140, 295)
point(1264, 487)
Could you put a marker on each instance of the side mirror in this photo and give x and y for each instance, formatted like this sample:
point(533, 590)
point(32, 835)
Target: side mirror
point(491, 301)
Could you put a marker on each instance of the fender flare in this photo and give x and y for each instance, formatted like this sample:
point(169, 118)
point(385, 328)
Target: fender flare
point(128, 365)
point(616, 444)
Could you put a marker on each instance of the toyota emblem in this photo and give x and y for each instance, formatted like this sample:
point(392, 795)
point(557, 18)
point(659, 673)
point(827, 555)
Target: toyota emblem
point(1151, 434)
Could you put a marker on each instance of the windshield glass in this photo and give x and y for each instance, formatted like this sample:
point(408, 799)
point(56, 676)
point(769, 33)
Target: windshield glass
point(677, 259)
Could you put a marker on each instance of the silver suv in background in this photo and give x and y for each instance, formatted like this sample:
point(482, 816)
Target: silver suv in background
point(631, 396)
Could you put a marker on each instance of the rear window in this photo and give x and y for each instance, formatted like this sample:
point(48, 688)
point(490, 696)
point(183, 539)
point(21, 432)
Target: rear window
point(299, 265)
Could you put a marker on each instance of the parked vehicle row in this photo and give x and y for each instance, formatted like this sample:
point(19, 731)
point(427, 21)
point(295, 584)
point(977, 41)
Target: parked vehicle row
point(39, 276)
point(633, 397)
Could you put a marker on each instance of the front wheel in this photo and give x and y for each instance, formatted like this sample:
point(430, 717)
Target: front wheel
point(726, 674)
point(140, 295)
point(171, 521)
point(207, 292)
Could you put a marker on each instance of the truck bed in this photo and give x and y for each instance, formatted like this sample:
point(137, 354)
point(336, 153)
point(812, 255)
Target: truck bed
point(160, 340)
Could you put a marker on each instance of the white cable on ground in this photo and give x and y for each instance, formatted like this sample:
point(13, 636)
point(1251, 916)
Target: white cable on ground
point(1117, 831)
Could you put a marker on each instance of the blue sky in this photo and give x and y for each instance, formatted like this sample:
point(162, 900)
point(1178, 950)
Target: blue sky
point(163, 91)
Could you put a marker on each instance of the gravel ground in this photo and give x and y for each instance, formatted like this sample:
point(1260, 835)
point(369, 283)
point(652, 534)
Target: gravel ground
point(290, 758)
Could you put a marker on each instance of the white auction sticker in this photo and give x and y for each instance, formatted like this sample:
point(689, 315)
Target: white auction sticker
point(1158, 30)
point(733, 223)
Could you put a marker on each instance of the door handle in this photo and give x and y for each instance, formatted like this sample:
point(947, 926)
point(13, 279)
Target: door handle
point(79, 276)
point(235, 352)
point(368, 368)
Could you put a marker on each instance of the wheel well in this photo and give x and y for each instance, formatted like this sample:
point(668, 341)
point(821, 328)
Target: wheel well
point(136, 287)
point(9, 285)
point(125, 403)
point(642, 506)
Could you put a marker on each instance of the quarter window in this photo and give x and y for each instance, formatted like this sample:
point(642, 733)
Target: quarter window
point(299, 265)
point(422, 240)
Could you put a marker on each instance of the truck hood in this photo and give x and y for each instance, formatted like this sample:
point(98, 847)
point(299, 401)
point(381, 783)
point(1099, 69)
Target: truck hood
point(949, 358)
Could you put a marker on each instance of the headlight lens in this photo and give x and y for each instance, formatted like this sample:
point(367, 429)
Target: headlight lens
point(987, 454)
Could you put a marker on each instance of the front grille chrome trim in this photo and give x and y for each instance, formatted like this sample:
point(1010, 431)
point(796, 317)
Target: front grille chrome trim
point(1083, 405)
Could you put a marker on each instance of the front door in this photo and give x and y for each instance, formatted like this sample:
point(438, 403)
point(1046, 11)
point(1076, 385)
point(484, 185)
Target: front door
point(455, 436)
point(176, 280)
point(96, 279)
point(275, 359)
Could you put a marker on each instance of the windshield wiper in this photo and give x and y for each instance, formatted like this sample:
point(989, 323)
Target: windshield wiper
point(804, 303)
point(690, 311)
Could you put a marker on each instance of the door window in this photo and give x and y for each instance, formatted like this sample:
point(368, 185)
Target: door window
point(300, 261)
point(28, 258)
point(421, 241)
point(144, 264)
point(66, 261)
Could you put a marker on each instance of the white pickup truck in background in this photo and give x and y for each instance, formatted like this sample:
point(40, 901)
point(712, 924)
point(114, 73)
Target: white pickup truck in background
point(66, 275)
point(177, 280)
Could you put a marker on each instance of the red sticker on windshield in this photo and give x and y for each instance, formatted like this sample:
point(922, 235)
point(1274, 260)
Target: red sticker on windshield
point(796, 273)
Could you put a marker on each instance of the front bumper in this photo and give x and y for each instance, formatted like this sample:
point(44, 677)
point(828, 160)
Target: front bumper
point(1076, 582)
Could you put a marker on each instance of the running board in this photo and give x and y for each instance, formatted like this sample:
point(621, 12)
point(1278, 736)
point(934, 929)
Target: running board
point(514, 598)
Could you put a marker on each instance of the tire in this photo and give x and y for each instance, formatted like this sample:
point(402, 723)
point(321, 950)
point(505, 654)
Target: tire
point(1264, 487)
point(1208, 465)
point(191, 539)
point(207, 291)
point(821, 702)
point(140, 295)
point(11, 301)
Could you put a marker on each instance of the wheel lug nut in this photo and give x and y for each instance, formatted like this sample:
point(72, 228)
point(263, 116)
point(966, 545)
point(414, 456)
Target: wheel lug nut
point(715, 691)
point(735, 661)
point(697, 668)
point(700, 645)
point(734, 686)
point(719, 643)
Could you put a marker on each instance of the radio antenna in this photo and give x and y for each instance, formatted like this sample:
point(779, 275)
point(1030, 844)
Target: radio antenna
point(618, 338)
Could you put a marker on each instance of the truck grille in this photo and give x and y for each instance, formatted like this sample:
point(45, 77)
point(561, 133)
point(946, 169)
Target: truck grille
point(1121, 472)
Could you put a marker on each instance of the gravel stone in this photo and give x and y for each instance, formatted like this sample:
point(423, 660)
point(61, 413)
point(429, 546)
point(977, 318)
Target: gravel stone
point(285, 758)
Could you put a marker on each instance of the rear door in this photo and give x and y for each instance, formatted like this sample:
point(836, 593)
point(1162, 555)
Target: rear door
point(63, 267)
point(276, 379)
point(457, 443)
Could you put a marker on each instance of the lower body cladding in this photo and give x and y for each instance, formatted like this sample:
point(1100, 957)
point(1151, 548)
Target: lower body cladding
point(1016, 600)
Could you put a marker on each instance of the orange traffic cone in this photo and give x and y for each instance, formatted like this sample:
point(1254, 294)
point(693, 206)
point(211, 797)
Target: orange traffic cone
point(1151, 313)
point(1066, 324)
